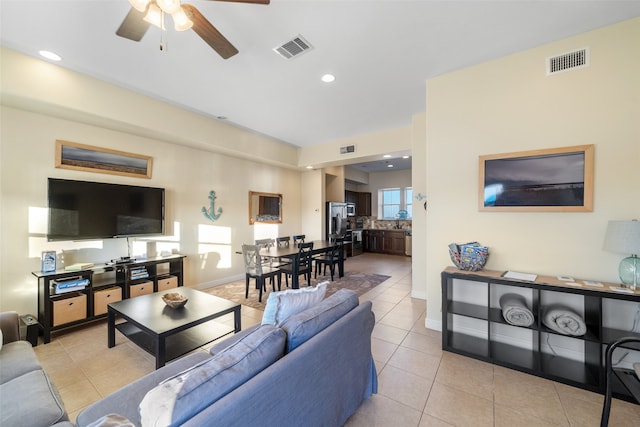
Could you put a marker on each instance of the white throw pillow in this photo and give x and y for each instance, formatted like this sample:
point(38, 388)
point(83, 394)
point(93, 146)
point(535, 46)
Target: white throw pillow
point(281, 305)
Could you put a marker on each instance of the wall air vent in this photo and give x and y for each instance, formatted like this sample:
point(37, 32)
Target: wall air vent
point(568, 61)
point(293, 48)
point(348, 149)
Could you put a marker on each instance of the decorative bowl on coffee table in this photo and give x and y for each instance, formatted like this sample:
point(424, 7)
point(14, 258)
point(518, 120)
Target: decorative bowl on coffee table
point(174, 300)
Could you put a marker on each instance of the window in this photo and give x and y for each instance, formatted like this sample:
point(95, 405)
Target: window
point(392, 200)
point(408, 197)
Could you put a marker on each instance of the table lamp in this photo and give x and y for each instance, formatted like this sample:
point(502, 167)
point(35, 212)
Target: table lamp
point(624, 237)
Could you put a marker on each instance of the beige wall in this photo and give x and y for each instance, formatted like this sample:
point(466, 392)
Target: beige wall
point(27, 141)
point(510, 105)
point(419, 221)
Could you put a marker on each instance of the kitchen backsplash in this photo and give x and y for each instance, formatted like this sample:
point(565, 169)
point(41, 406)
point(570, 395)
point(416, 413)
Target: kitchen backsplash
point(380, 224)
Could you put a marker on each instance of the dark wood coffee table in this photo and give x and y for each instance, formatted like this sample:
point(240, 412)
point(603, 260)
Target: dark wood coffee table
point(169, 333)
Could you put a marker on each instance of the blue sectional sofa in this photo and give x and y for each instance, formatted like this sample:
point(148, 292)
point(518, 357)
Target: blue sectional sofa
point(27, 396)
point(313, 369)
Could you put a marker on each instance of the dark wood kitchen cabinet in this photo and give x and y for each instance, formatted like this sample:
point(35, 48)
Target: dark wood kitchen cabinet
point(390, 242)
point(363, 205)
point(362, 200)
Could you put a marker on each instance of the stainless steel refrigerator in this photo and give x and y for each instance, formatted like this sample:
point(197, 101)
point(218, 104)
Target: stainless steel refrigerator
point(336, 218)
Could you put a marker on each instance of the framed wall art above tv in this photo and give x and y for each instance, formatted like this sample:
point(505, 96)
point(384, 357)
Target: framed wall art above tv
point(547, 180)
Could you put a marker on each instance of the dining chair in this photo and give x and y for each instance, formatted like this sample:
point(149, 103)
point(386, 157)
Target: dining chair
point(283, 242)
point(255, 269)
point(297, 239)
point(330, 259)
point(301, 265)
point(265, 244)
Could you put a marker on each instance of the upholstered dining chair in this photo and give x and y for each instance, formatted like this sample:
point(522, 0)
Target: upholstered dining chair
point(302, 263)
point(330, 259)
point(255, 269)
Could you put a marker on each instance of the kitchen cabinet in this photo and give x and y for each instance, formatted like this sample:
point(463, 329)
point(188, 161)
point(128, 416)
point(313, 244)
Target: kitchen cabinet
point(361, 199)
point(363, 204)
point(390, 242)
point(351, 197)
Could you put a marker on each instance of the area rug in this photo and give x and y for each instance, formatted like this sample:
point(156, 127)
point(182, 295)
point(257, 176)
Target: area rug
point(357, 282)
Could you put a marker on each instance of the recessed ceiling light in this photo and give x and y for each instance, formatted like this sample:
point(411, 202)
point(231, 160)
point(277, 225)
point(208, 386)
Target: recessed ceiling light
point(405, 157)
point(309, 167)
point(386, 156)
point(389, 166)
point(328, 78)
point(50, 55)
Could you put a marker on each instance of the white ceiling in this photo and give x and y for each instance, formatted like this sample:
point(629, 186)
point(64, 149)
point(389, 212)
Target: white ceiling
point(381, 52)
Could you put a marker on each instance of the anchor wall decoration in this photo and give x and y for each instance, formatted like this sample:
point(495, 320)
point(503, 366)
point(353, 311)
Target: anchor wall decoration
point(209, 213)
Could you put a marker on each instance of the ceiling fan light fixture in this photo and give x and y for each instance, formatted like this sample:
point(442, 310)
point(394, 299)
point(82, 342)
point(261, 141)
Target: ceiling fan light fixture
point(140, 5)
point(169, 6)
point(181, 21)
point(154, 16)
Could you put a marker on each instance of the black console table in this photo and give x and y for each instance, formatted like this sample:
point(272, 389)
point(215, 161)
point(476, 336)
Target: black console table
point(473, 325)
point(105, 283)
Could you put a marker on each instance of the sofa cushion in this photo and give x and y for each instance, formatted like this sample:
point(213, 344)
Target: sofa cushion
point(280, 305)
point(180, 397)
point(302, 326)
point(30, 400)
point(16, 359)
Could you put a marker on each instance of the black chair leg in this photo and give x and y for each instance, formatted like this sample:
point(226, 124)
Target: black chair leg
point(262, 284)
point(246, 293)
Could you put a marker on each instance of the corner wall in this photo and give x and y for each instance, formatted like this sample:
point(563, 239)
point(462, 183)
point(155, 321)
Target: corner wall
point(510, 105)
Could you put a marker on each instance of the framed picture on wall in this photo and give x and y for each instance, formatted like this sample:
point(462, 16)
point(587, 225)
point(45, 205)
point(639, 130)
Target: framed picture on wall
point(71, 155)
point(548, 180)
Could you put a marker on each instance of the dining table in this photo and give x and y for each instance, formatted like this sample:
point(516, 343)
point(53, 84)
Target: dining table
point(291, 252)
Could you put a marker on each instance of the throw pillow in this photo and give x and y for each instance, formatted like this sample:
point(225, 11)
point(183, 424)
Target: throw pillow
point(180, 397)
point(283, 304)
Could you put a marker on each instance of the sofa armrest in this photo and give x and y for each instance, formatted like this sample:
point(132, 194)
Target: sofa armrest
point(10, 325)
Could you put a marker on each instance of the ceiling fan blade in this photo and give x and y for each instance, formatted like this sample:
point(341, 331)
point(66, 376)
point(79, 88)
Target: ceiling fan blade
point(208, 33)
point(247, 1)
point(133, 27)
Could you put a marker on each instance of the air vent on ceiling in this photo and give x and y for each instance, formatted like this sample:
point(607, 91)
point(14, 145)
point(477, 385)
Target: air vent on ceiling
point(568, 61)
point(293, 48)
point(347, 149)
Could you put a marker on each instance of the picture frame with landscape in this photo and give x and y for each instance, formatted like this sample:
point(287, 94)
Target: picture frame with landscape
point(72, 155)
point(545, 180)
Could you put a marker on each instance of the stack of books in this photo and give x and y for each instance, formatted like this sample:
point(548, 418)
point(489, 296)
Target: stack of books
point(139, 273)
point(69, 285)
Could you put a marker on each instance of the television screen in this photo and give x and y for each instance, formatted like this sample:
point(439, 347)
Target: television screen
point(80, 210)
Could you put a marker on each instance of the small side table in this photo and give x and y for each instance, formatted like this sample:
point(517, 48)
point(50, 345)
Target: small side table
point(33, 328)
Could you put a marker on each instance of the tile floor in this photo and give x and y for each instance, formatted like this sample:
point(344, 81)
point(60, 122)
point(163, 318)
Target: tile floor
point(419, 384)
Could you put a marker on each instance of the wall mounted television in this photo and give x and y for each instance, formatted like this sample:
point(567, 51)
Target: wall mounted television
point(82, 210)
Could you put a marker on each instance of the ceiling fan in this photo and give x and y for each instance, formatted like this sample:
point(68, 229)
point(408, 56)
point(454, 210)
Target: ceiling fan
point(144, 13)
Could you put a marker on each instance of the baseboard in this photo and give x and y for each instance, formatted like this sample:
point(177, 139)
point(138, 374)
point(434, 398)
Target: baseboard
point(211, 284)
point(436, 325)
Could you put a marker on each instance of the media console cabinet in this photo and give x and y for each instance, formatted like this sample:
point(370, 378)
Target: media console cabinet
point(105, 283)
point(473, 326)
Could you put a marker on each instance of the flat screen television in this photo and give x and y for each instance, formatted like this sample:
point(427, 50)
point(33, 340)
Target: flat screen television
point(81, 210)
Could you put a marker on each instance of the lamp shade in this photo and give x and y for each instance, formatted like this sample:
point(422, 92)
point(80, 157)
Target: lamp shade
point(623, 237)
